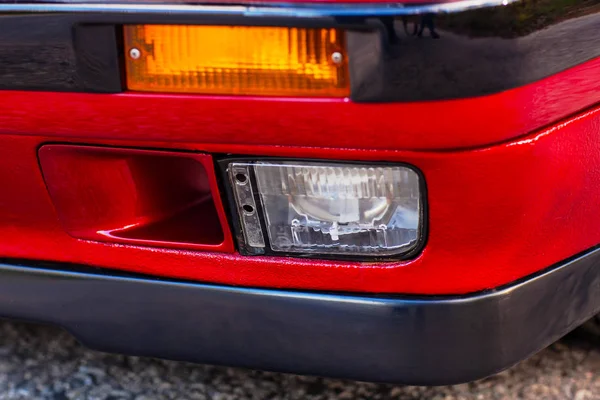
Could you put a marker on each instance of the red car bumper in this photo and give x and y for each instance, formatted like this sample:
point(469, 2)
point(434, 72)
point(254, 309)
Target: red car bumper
point(496, 213)
point(510, 167)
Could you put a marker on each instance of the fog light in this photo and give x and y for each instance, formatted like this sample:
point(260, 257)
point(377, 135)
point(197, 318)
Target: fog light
point(329, 208)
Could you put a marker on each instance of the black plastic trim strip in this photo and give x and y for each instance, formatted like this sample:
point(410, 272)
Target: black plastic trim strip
point(98, 59)
point(401, 339)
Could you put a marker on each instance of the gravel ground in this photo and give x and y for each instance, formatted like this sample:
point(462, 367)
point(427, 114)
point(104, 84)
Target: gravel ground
point(39, 362)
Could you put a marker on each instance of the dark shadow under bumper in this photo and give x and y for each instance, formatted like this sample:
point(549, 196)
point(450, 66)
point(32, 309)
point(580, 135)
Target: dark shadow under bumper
point(415, 340)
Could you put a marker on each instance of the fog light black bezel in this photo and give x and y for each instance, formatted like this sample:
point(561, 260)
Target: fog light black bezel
point(238, 233)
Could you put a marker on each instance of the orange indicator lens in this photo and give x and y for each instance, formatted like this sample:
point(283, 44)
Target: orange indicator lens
point(237, 60)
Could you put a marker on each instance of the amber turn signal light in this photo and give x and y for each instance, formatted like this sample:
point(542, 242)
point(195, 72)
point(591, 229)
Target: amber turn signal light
point(237, 60)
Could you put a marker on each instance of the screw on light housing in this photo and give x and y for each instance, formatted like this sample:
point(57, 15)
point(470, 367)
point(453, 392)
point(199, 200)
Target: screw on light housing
point(135, 53)
point(337, 57)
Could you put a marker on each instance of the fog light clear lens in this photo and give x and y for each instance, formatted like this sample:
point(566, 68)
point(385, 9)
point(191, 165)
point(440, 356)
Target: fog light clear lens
point(330, 208)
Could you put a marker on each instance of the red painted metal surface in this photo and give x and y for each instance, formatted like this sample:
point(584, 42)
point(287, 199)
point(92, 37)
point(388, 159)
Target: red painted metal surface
point(144, 197)
point(496, 213)
point(249, 121)
point(503, 202)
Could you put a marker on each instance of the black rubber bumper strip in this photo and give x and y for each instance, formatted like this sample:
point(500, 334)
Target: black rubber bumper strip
point(429, 341)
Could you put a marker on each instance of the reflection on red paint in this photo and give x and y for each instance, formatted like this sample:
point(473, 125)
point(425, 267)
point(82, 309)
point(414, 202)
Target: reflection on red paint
point(330, 123)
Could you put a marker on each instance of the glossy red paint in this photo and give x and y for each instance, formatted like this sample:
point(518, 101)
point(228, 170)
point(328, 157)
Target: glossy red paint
point(496, 213)
point(144, 197)
point(325, 123)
